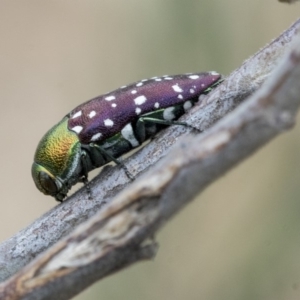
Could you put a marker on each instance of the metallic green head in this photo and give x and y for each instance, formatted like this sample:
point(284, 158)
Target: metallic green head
point(57, 162)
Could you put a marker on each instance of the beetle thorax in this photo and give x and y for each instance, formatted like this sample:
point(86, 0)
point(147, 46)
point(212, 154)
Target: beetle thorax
point(59, 152)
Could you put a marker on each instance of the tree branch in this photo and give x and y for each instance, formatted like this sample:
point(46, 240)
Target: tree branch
point(116, 236)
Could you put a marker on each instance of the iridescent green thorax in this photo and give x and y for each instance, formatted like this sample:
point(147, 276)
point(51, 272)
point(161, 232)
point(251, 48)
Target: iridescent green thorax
point(57, 155)
point(57, 148)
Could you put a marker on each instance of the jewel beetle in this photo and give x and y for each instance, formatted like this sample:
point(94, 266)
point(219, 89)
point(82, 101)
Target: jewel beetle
point(104, 128)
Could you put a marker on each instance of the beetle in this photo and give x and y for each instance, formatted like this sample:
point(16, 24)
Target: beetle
point(104, 128)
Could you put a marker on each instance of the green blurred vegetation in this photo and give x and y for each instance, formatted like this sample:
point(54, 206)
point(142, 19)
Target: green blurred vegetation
point(240, 238)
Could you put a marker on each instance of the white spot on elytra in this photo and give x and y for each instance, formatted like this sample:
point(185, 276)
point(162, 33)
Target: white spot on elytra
point(156, 105)
point(133, 92)
point(114, 105)
point(214, 73)
point(192, 91)
point(154, 77)
point(194, 76)
point(140, 100)
point(138, 110)
point(158, 79)
point(187, 105)
point(123, 87)
point(202, 85)
point(168, 113)
point(76, 115)
point(108, 122)
point(180, 96)
point(110, 98)
point(128, 134)
point(139, 84)
point(96, 136)
point(92, 114)
point(168, 78)
point(177, 88)
point(143, 80)
point(77, 129)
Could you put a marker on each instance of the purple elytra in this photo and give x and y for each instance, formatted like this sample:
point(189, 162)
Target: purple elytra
point(106, 115)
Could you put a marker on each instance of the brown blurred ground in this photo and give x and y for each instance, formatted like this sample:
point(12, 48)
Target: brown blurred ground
point(240, 239)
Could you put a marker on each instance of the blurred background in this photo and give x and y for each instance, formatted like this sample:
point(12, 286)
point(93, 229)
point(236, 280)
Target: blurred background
point(240, 239)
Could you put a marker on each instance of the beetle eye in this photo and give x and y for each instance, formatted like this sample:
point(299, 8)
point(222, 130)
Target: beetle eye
point(47, 183)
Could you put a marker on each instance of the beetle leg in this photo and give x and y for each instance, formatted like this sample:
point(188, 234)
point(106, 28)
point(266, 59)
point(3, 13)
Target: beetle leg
point(85, 171)
point(163, 122)
point(169, 123)
point(109, 157)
